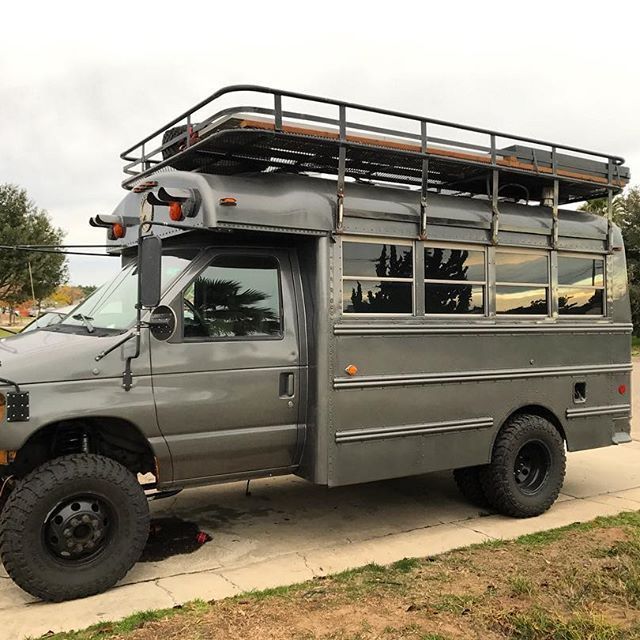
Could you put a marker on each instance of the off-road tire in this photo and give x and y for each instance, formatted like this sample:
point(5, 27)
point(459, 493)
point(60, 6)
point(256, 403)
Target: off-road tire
point(23, 548)
point(468, 481)
point(498, 478)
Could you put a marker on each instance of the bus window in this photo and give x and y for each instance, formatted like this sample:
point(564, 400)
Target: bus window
point(377, 278)
point(454, 280)
point(580, 285)
point(522, 283)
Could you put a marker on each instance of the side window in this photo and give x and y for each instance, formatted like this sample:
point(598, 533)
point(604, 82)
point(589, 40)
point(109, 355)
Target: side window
point(454, 280)
point(377, 278)
point(580, 285)
point(234, 297)
point(522, 283)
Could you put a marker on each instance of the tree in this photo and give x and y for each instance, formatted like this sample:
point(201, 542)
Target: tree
point(21, 222)
point(626, 214)
point(225, 308)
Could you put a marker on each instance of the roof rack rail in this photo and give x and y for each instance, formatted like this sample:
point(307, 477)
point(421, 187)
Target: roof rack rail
point(256, 139)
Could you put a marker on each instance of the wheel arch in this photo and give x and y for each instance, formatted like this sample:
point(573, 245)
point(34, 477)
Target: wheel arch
point(113, 437)
point(536, 410)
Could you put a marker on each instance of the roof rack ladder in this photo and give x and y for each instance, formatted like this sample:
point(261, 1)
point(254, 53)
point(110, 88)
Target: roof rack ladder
point(610, 205)
point(554, 214)
point(495, 187)
point(424, 183)
point(342, 168)
point(556, 197)
point(495, 212)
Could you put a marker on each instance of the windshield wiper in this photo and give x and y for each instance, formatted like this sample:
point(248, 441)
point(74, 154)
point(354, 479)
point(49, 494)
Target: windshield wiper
point(86, 321)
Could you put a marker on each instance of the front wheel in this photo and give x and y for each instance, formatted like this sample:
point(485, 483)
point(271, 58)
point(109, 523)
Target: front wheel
point(527, 467)
point(73, 527)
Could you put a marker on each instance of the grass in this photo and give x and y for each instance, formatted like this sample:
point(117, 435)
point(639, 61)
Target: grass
point(579, 582)
point(635, 345)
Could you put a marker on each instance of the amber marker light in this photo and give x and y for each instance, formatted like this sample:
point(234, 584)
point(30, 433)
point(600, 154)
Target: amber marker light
point(351, 369)
point(119, 231)
point(175, 211)
point(228, 202)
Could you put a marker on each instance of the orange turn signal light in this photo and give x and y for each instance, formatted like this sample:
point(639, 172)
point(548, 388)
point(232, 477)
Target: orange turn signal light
point(228, 202)
point(351, 369)
point(175, 211)
point(119, 231)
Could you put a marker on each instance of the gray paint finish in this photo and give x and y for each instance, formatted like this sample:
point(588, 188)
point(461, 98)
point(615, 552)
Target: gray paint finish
point(431, 392)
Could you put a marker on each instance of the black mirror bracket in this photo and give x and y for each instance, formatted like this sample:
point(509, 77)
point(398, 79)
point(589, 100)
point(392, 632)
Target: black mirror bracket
point(153, 261)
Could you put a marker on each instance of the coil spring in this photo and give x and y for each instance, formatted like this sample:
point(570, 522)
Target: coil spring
point(72, 441)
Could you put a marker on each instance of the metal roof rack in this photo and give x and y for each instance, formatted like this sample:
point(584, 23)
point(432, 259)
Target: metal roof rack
point(256, 139)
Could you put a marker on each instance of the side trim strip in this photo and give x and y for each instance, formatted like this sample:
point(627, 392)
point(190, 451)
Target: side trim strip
point(453, 329)
point(585, 412)
point(383, 433)
point(473, 376)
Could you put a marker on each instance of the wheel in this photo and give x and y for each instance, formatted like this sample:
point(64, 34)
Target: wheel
point(527, 467)
point(468, 481)
point(73, 527)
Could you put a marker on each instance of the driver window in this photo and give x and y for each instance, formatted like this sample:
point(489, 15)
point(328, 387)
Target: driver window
point(234, 297)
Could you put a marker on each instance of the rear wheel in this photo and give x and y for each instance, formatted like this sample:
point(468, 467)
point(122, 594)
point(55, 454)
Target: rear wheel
point(468, 481)
point(527, 467)
point(73, 527)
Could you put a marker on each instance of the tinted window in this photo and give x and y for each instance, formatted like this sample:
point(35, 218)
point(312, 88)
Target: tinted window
point(521, 300)
point(235, 296)
point(377, 278)
point(572, 301)
point(580, 271)
point(453, 264)
point(376, 296)
point(453, 298)
point(368, 259)
point(521, 267)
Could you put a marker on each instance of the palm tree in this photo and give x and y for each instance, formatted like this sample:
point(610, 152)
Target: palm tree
point(227, 310)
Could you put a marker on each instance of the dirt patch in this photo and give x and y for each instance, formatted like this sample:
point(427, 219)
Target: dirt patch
point(581, 582)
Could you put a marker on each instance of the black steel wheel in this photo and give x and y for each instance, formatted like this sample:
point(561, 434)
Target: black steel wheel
point(73, 527)
point(527, 467)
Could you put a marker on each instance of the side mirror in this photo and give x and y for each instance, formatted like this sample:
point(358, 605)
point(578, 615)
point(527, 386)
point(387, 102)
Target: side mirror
point(162, 323)
point(150, 270)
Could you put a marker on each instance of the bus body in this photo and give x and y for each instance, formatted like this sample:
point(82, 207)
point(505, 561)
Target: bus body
point(377, 335)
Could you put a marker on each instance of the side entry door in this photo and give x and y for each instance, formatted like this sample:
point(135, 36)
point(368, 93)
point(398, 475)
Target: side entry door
point(227, 385)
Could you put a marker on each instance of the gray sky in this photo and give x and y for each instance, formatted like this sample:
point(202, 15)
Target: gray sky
point(81, 81)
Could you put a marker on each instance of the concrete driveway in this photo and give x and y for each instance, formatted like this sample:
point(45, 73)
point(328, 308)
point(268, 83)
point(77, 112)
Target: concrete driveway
point(288, 530)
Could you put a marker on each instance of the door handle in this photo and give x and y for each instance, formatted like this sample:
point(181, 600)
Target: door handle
point(287, 385)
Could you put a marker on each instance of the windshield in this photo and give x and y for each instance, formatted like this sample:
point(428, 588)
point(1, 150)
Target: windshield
point(113, 305)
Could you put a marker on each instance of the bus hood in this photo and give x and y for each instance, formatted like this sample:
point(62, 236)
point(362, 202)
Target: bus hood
point(54, 356)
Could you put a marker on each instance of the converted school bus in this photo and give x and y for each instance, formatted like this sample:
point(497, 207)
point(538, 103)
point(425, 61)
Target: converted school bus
point(339, 300)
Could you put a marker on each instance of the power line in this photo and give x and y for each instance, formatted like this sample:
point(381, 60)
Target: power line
point(42, 249)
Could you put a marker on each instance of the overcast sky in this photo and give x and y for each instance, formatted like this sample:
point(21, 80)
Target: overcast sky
point(81, 81)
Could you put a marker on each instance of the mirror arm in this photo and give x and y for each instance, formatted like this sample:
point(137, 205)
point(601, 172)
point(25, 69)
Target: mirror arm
point(127, 375)
point(106, 352)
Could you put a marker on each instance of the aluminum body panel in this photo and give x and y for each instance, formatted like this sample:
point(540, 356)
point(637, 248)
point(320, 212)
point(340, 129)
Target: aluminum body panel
point(66, 383)
point(218, 401)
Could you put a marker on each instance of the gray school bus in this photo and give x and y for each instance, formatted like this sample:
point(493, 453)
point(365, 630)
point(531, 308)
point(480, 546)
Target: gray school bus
point(323, 294)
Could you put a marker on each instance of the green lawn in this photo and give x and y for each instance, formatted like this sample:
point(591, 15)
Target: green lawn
point(635, 346)
point(580, 582)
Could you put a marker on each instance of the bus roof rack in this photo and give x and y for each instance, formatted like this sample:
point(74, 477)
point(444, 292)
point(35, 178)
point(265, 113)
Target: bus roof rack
point(244, 139)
